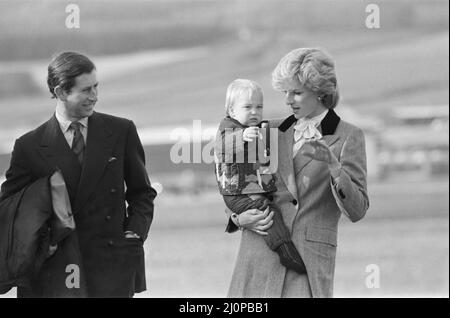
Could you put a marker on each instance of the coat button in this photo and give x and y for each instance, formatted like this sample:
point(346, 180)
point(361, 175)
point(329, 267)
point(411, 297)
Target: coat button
point(113, 190)
point(108, 217)
point(294, 202)
point(111, 243)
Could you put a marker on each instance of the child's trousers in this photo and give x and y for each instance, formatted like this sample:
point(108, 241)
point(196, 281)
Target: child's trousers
point(278, 233)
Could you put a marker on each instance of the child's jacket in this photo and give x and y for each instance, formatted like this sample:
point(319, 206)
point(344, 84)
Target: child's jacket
point(239, 163)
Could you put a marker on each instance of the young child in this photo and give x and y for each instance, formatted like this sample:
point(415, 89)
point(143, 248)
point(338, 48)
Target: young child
point(240, 180)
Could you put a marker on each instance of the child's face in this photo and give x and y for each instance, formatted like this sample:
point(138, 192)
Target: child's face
point(248, 109)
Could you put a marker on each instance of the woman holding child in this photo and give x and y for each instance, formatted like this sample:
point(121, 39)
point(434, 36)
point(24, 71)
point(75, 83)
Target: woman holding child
point(321, 174)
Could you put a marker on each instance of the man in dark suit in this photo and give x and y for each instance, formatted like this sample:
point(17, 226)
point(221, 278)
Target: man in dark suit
point(103, 164)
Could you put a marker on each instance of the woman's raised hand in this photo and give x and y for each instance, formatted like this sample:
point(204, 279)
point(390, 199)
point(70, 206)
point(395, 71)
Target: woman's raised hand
point(256, 220)
point(319, 150)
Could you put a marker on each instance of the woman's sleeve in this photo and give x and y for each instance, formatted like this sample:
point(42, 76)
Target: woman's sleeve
point(350, 186)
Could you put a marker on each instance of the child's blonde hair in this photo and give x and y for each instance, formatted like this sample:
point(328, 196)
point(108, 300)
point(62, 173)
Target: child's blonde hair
point(237, 88)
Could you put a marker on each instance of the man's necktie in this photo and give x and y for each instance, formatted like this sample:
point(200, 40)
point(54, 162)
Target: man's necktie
point(304, 130)
point(78, 141)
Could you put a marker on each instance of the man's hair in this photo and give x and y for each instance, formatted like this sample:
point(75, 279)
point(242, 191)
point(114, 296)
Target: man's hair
point(64, 68)
point(237, 88)
point(314, 69)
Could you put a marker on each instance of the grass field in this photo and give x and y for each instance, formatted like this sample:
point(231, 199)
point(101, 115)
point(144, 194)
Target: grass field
point(374, 79)
point(36, 29)
point(402, 63)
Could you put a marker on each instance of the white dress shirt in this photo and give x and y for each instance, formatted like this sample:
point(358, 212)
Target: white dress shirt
point(306, 129)
point(64, 124)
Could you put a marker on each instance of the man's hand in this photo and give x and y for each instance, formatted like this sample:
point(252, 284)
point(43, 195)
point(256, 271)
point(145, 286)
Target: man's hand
point(251, 133)
point(130, 234)
point(51, 250)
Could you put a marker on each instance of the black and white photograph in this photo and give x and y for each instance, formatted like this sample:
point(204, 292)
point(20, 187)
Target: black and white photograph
point(241, 149)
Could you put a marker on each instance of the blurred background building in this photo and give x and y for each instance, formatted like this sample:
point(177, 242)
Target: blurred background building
point(164, 64)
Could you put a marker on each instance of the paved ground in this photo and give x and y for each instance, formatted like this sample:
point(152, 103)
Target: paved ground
point(405, 234)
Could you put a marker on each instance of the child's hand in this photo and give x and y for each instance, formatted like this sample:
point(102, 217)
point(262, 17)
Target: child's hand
point(251, 133)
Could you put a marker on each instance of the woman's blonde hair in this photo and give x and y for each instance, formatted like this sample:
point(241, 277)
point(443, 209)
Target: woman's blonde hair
point(314, 69)
point(237, 88)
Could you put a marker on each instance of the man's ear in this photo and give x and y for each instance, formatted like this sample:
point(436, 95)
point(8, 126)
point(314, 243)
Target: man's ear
point(60, 93)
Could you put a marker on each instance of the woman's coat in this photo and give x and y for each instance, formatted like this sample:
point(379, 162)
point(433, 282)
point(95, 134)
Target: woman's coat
point(311, 204)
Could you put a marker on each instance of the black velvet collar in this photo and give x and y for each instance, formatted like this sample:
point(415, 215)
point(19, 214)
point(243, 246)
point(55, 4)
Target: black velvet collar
point(288, 122)
point(328, 124)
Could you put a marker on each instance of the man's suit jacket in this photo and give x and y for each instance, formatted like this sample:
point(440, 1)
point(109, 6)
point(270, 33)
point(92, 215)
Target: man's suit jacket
point(311, 205)
point(112, 175)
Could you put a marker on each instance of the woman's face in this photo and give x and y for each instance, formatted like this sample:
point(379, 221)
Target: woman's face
point(303, 102)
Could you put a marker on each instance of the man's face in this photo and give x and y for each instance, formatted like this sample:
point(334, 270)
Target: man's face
point(248, 109)
point(81, 99)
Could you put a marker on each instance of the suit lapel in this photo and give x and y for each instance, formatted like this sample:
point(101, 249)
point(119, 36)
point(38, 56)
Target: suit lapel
point(58, 155)
point(98, 151)
point(286, 164)
point(303, 161)
point(329, 123)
